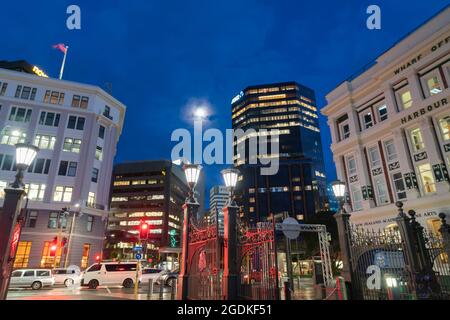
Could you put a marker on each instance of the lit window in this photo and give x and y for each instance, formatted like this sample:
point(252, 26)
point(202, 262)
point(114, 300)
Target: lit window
point(22, 254)
point(444, 124)
point(356, 198)
point(406, 99)
point(35, 191)
point(380, 187)
point(72, 145)
point(390, 150)
point(49, 261)
point(417, 140)
point(426, 176)
point(63, 194)
point(3, 184)
point(121, 183)
point(12, 137)
point(99, 153)
point(85, 256)
point(44, 142)
point(91, 198)
point(433, 85)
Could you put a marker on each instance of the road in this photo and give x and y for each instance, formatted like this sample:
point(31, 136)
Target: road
point(83, 293)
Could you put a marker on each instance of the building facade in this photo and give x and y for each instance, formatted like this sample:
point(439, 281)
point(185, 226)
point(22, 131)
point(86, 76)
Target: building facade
point(76, 127)
point(151, 191)
point(218, 198)
point(390, 128)
point(289, 111)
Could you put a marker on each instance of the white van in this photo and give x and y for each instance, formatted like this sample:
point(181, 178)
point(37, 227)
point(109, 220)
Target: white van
point(67, 276)
point(110, 273)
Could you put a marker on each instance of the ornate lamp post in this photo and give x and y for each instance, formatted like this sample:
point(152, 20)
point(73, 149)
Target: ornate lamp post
point(190, 207)
point(10, 220)
point(230, 212)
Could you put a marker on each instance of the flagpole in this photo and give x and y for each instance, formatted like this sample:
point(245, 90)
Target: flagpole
point(63, 63)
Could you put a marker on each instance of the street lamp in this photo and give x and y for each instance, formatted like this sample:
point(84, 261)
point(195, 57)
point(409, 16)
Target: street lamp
point(230, 212)
point(190, 208)
point(10, 226)
point(339, 192)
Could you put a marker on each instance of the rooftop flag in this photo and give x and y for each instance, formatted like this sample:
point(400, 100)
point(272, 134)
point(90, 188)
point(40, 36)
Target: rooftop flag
point(63, 48)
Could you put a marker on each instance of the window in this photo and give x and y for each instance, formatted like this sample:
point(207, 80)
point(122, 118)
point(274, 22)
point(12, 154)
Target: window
point(356, 198)
point(44, 142)
point(94, 177)
point(417, 140)
point(31, 219)
point(20, 114)
point(63, 194)
point(3, 87)
point(374, 157)
point(382, 112)
point(72, 145)
point(406, 99)
point(54, 97)
point(99, 153)
point(427, 178)
point(85, 258)
point(345, 131)
point(50, 119)
point(35, 191)
point(121, 183)
point(53, 220)
point(351, 164)
point(7, 163)
point(90, 223)
point(91, 198)
point(76, 123)
point(67, 168)
point(40, 166)
point(107, 112)
point(399, 186)
point(80, 102)
point(380, 187)
point(22, 254)
point(367, 120)
point(12, 137)
point(47, 260)
point(391, 153)
point(444, 124)
point(26, 93)
point(432, 83)
point(101, 132)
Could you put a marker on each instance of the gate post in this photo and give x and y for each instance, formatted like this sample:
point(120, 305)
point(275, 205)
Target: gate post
point(343, 225)
point(230, 263)
point(407, 236)
point(445, 233)
point(190, 208)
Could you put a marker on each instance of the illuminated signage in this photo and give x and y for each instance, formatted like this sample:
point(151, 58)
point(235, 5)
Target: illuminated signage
point(238, 97)
point(39, 72)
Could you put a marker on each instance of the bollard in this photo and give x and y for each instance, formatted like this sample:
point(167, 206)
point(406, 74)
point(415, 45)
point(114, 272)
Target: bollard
point(287, 291)
point(161, 288)
point(150, 289)
point(173, 288)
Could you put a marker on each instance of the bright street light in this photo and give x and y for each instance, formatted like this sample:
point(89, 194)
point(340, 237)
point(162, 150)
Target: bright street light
point(192, 172)
point(338, 189)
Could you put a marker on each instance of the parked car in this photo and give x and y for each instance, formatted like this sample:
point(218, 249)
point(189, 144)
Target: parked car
point(152, 273)
point(67, 276)
point(32, 278)
point(110, 273)
point(169, 276)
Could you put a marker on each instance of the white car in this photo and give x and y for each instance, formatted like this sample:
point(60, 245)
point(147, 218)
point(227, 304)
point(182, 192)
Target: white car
point(152, 273)
point(110, 273)
point(32, 278)
point(67, 276)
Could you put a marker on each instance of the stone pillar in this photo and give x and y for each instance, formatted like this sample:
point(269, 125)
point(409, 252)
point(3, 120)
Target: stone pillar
point(8, 223)
point(230, 262)
point(190, 209)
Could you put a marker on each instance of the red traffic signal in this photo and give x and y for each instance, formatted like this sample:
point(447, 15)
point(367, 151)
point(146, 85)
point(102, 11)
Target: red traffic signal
point(53, 246)
point(143, 230)
point(97, 258)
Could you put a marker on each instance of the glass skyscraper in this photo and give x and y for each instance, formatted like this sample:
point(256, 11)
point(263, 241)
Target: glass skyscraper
point(298, 189)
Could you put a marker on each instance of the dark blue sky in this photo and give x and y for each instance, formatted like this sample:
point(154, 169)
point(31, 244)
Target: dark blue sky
point(159, 55)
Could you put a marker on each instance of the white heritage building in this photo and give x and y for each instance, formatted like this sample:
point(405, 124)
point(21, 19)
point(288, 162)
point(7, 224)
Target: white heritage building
point(390, 128)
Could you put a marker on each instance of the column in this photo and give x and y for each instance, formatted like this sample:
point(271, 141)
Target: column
point(364, 179)
point(230, 262)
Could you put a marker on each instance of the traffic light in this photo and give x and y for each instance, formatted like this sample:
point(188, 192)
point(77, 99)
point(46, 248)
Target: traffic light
point(97, 258)
point(53, 246)
point(143, 230)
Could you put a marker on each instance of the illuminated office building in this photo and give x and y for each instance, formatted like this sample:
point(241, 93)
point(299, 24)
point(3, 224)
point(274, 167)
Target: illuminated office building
point(299, 188)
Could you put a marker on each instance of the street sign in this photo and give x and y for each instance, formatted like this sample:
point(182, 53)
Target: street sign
point(137, 248)
point(290, 227)
point(138, 256)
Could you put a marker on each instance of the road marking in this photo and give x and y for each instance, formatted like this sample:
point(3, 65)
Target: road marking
point(107, 289)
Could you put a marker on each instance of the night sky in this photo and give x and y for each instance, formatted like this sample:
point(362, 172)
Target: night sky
point(163, 56)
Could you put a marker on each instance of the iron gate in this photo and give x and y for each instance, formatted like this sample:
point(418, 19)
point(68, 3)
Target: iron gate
point(204, 267)
point(257, 262)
